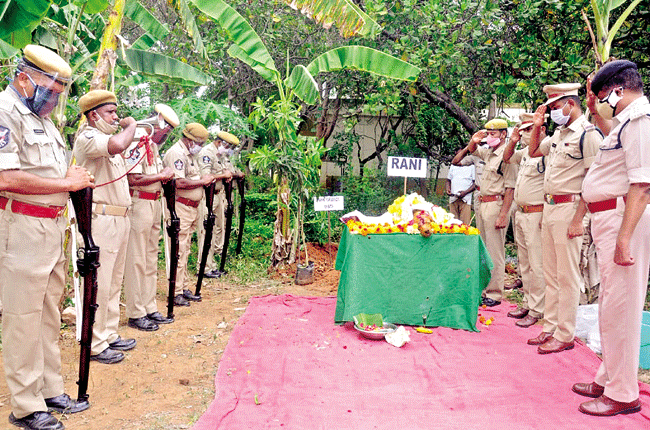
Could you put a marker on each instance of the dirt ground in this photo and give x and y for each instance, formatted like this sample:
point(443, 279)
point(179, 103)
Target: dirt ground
point(167, 381)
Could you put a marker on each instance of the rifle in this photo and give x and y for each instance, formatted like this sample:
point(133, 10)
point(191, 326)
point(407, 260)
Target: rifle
point(208, 225)
point(227, 188)
point(242, 214)
point(174, 227)
point(87, 264)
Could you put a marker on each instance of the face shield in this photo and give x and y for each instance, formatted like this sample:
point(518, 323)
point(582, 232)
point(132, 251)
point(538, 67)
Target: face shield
point(47, 88)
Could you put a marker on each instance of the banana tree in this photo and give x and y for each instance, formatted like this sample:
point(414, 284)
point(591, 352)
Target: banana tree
point(604, 36)
point(347, 16)
point(281, 118)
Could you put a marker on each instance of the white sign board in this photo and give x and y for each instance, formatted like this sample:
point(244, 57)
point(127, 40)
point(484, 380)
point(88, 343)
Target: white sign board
point(407, 167)
point(328, 203)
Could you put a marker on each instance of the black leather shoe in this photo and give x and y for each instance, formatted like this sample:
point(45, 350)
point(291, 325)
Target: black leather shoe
point(159, 318)
point(122, 344)
point(142, 323)
point(179, 300)
point(37, 421)
point(189, 296)
point(108, 356)
point(490, 302)
point(63, 404)
point(214, 274)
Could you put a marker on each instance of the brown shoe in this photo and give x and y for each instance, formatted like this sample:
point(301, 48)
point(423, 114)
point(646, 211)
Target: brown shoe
point(514, 285)
point(527, 321)
point(588, 390)
point(554, 345)
point(603, 406)
point(518, 313)
point(543, 337)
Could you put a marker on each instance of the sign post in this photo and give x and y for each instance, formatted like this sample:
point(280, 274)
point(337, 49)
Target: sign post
point(407, 167)
point(329, 203)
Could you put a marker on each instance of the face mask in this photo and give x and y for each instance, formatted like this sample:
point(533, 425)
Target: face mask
point(558, 117)
point(607, 107)
point(525, 139)
point(105, 127)
point(160, 135)
point(229, 152)
point(42, 102)
point(195, 149)
point(493, 142)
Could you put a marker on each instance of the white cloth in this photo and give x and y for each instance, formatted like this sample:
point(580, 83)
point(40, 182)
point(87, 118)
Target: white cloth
point(461, 178)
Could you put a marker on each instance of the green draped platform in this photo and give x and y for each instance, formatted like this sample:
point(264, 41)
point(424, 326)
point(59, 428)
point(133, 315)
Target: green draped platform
point(405, 277)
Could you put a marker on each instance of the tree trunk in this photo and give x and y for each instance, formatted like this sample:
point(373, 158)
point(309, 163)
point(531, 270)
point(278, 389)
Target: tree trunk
point(282, 237)
point(444, 101)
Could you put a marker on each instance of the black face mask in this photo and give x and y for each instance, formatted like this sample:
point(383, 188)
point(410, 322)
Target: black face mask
point(42, 102)
point(160, 135)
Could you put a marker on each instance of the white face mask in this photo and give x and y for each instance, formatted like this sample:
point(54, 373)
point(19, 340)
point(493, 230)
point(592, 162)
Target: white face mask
point(105, 127)
point(607, 107)
point(525, 138)
point(558, 117)
point(195, 148)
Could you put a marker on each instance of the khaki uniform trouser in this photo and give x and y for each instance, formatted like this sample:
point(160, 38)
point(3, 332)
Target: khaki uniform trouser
point(140, 280)
point(216, 245)
point(495, 240)
point(111, 234)
point(621, 299)
point(189, 217)
point(528, 235)
point(561, 271)
point(461, 210)
point(32, 275)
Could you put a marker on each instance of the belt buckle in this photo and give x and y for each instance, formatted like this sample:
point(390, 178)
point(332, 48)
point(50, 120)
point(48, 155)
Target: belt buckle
point(549, 199)
point(522, 208)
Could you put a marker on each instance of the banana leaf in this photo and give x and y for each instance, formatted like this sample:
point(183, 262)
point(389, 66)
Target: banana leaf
point(189, 23)
point(240, 32)
point(344, 14)
point(303, 84)
point(365, 59)
point(18, 18)
point(154, 29)
point(163, 68)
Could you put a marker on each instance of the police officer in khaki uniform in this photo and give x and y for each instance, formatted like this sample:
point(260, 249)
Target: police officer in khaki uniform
point(617, 191)
point(529, 202)
point(189, 192)
point(145, 186)
point(569, 153)
point(497, 191)
point(214, 159)
point(99, 149)
point(36, 180)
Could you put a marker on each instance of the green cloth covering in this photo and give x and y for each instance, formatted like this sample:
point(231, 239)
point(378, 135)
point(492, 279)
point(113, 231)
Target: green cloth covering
point(405, 276)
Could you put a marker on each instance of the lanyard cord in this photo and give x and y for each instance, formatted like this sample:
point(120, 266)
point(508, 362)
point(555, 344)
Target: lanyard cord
point(144, 141)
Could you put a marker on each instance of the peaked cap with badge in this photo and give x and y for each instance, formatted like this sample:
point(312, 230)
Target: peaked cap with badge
point(47, 61)
point(557, 91)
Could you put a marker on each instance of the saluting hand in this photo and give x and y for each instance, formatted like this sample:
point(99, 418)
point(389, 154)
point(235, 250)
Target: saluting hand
point(591, 98)
point(515, 136)
point(538, 116)
point(78, 178)
point(478, 136)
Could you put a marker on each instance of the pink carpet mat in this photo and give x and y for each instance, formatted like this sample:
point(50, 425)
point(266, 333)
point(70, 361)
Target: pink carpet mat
point(288, 366)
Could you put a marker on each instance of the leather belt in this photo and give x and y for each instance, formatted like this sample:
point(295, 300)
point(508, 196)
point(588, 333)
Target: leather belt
point(493, 198)
point(145, 195)
point(531, 208)
point(478, 188)
point(553, 199)
point(32, 210)
point(102, 209)
point(188, 202)
point(603, 205)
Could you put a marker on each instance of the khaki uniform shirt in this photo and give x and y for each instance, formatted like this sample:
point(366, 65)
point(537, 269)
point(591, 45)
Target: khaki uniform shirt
point(178, 157)
point(91, 152)
point(210, 162)
point(31, 144)
point(616, 167)
point(565, 165)
point(529, 188)
point(496, 175)
point(134, 155)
